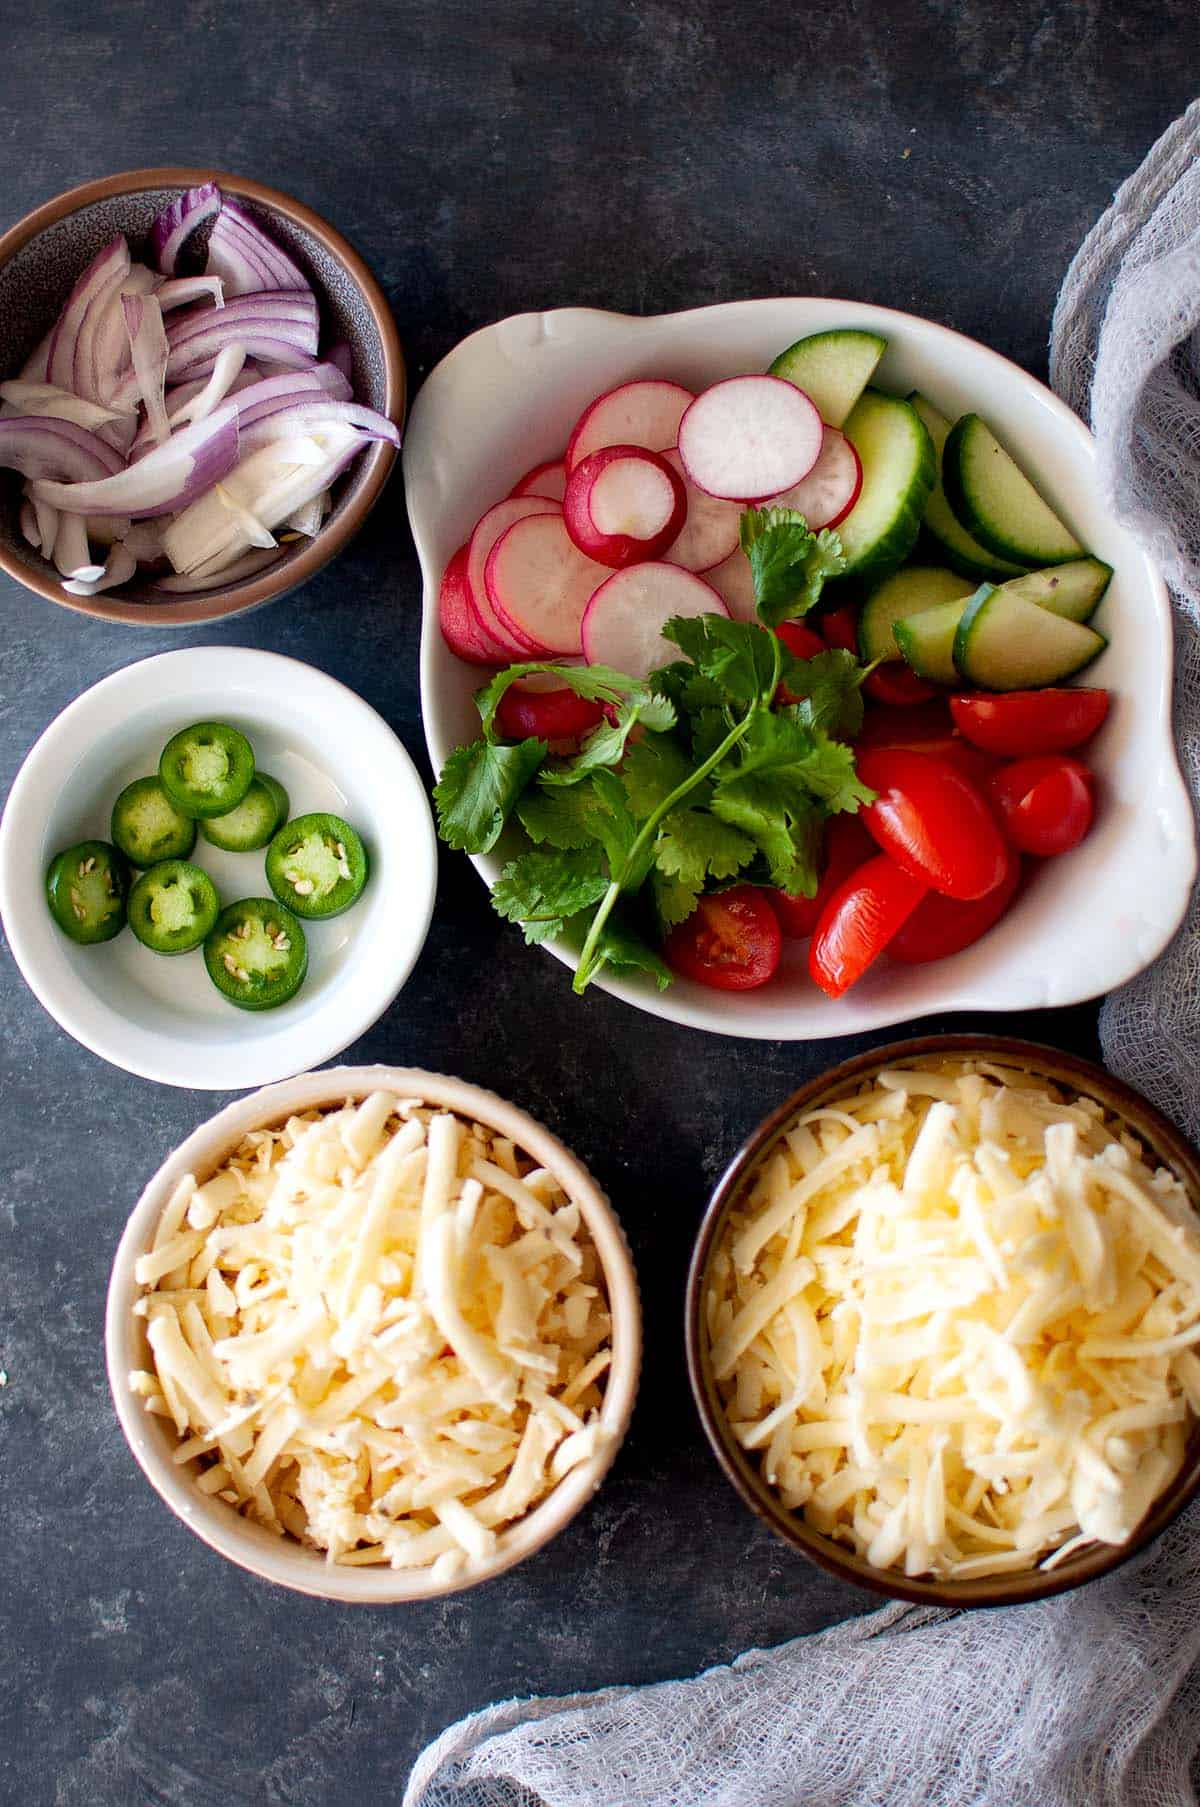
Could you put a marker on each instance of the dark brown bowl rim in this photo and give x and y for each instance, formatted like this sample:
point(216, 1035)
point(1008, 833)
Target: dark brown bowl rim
point(1160, 1135)
point(215, 605)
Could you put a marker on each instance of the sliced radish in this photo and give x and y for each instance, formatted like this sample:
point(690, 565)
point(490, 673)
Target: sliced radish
point(710, 532)
point(461, 628)
point(734, 583)
point(645, 413)
point(749, 437)
point(545, 711)
point(625, 618)
point(624, 505)
point(830, 490)
point(549, 480)
point(488, 530)
point(539, 583)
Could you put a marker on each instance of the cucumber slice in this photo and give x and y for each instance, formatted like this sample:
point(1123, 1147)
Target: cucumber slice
point(905, 593)
point(832, 368)
point(1006, 642)
point(1071, 590)
point(959, 549)
point(926, 641)
point(995, 501)
point(899, 471)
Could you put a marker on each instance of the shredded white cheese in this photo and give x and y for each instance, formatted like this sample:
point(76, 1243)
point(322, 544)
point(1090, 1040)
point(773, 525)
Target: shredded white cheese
point(381, 1330)
point(955, 1319)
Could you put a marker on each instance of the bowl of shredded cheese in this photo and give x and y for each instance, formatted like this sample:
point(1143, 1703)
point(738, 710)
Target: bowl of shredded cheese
point(943, 1321)
point(373, 1334)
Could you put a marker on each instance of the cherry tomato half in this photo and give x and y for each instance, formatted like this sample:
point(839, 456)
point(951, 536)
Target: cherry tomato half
point(927, 728)
point(839, 627)
point(897, 685)
point(545, 714)
point(933, 821)
point(731, 941)
point(1045, 805)
point(846, 845)
point(940, 926)
point(1024, 722)
point(859, 921)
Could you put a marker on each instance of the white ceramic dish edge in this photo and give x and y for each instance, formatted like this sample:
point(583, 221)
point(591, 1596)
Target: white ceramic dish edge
point(506, 397)
point(281, 1560)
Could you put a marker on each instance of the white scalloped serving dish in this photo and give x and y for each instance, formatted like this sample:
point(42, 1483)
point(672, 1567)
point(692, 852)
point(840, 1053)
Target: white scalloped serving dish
point(507, 397)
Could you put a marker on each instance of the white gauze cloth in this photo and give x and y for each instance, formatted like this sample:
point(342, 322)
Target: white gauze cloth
point(1092, 1699)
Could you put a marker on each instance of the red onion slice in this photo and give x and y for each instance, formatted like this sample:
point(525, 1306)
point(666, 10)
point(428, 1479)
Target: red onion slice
point(166, 479)
point(243, 256)
point(22, 397)
point(176, 223)
point(342, 358)
point(185, 289)
point(283, 327)
point(148, 349)
point(119, 567)
point(266, 424)
point(102, 354)
point(72, 554)
point(112, 262)
point(27, 521)
point(41, 447)
point(235, 572)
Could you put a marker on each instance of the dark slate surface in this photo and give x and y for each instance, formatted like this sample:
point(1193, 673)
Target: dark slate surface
point(939, 155)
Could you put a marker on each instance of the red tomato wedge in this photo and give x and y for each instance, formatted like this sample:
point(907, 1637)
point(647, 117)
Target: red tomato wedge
point(846, 846)
point(940, 926)
point(860, 919)
point(545, 714)
point(932, 821)
point(927, 728)
point(1024, 722)
point(1045, 805)
point(731, 941)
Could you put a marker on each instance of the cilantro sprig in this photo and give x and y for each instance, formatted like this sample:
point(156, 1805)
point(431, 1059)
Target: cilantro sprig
point(697, 777)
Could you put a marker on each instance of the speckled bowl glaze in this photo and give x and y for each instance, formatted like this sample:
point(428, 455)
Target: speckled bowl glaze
point(1159, 1138)
point(282, 1559)
point(40, 259)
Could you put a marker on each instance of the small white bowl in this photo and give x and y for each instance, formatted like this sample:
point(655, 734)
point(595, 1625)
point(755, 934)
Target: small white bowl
point(507, 397)
point(282, 1559)
point(160, 1017)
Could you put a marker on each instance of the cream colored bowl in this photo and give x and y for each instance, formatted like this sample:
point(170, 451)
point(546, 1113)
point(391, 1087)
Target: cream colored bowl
point(282, 1559)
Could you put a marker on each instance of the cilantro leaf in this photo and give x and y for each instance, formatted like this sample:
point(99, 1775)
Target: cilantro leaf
point(829, 692)
point(541, 890)
point(674, 899)
point(653, 769)
point(625, 951)
point(784, 823)
point(802, 760)
point(604, 746)
point(789, 563)
point(479, 788)
point(693, 845)
point(561, 817)
point(740, 658)
point(597, 683)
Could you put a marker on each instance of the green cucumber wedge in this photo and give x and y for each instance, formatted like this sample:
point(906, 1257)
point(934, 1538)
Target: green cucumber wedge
point(1006, 642)
point(906, 593)
point(995, 501)
point(899, 470)
point(959, 549)
point(926, 641)
point(832, 368)
point(1072, 590)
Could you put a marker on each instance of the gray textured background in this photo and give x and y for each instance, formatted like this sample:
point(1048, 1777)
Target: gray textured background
point(486, 158)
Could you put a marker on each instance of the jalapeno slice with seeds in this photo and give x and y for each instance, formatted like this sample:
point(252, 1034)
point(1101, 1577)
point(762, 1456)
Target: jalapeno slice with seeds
point(147, 827)
point(317, 865)
point(256, 954)
point(207, 769)
point(172, 907)
point(86, 888)
point(255, 819)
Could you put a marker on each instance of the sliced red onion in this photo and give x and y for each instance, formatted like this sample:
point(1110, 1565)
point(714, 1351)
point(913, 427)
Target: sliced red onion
point(264, 424)
point(176, 223)
point(119, 567)
point(112, 261)
point(281, 327)
point(144, 539)
point(246, 260)
point(342, 358)
point(233, 573)
point(170, 477)
point(271, 484)
point(72, 554)
point(27, 521)
point(39, 446)
point(107, 529)
point(308, 517)
point(23, 397)
point(186, 289)
point(251, 527)
point(102, 354)
point(47, 522)
point(148, 349)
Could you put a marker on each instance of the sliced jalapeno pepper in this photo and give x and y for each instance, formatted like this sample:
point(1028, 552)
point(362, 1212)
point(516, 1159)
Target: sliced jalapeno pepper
point(147, 827)
point(172, 907)
point(256, 954)
point(255, 819)
point(86, 888)
point(317, 866)
point(207, 769)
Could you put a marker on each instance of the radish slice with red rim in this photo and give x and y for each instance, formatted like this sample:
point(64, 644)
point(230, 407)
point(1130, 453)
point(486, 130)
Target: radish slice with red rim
point(548, 480)
point(624, 505)
point(487, 531)
point(646, 413)
point(711, 531)
point(625, 618)
point(539, 583)
point(734, 583)
point(831, 488)
point(750, 437)
point(461, 629)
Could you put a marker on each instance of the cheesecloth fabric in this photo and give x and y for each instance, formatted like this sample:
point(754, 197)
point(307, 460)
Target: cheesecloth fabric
point(1092, 1699)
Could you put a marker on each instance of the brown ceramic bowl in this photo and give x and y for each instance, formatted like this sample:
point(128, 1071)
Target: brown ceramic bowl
point(40, 259)
point(1160, 1139)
